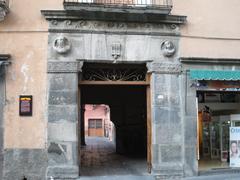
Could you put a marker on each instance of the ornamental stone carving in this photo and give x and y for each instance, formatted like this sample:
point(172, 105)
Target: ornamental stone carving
point(168, 48)
point(61, 44)
point(113, 27)
point(64, 67)
point(68, 22)
point(116, 50)
point(164, 68)
point(3, 9)
point(54, 22)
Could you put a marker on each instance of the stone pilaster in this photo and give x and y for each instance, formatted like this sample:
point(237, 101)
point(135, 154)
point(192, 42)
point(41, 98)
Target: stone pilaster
point(190, 126)
point(63, 119)
point(167, 125)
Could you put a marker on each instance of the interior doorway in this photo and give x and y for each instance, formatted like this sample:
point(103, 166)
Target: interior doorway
point(128, 152)
point(217, 112)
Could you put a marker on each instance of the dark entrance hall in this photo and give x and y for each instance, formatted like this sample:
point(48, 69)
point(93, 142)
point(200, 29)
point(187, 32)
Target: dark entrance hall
point(128, 112)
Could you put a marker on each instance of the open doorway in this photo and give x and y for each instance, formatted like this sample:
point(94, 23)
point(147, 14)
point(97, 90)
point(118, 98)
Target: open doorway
point(218, 111)
point(122, 148)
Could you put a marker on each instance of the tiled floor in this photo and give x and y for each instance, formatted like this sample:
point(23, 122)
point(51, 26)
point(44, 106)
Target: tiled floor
point(98, 158)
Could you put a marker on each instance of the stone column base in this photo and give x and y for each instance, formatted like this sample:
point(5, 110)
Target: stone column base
point(28, 163)
point(63, 172)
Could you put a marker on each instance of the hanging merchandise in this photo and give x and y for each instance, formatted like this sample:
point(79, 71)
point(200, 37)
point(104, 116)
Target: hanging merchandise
point(206, 114)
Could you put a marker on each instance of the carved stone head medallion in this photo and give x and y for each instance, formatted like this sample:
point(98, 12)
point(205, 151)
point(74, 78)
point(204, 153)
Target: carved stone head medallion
point(61, 44)
point(168, 48)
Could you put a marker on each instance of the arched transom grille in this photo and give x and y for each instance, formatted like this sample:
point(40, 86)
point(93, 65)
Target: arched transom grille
point(95, 72)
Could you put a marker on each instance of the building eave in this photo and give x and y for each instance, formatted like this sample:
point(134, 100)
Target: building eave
point(142, 16)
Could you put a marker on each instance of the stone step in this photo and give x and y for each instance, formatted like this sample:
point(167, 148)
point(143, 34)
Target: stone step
point(123, 177)
point(220, 171)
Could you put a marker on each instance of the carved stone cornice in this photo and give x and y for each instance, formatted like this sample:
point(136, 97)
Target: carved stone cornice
point(4, 9)
point(113, 27)
point(64, 66)
point(164, 68)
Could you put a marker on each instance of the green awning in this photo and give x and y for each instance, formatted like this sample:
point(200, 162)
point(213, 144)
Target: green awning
point(197, 74)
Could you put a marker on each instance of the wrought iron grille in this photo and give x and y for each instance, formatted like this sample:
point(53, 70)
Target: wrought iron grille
point(114, 74)
point(157, 3)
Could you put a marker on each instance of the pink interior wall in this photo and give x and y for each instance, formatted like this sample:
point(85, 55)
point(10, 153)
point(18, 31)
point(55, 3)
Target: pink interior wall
point(98, 112)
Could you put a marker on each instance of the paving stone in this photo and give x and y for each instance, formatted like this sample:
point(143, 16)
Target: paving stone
point(99, 159)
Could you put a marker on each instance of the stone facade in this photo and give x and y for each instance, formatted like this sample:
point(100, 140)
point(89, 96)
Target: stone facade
point(153, 44)
point(17, 163)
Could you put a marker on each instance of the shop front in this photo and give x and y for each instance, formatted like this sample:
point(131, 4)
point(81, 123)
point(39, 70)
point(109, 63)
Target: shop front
point(216, 109)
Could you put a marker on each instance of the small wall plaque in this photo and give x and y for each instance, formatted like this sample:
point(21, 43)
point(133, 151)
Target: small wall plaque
point(25, 105)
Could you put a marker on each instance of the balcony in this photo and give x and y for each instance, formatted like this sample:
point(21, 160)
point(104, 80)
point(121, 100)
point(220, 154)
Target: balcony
point(4, 9)
point(134, 6)
point(128, 11)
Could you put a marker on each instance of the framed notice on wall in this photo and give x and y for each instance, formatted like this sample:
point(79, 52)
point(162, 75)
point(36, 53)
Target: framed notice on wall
point(25, 105)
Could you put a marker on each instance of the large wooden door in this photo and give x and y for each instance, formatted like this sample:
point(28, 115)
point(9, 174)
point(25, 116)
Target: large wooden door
point(149, 125)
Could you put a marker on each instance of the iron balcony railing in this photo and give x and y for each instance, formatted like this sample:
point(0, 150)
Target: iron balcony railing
point(137, 3)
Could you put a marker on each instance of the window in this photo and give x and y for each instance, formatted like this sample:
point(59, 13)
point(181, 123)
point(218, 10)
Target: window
point(95, 123)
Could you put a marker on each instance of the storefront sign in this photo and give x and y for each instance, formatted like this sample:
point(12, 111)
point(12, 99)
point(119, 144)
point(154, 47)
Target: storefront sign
point(25, 106)
point(234, 147)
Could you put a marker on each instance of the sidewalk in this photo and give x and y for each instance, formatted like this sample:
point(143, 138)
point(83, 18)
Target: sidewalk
point(121, 177)
point(98, 159)
point(131, 177)
point(216, 177)
point(100, 162)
